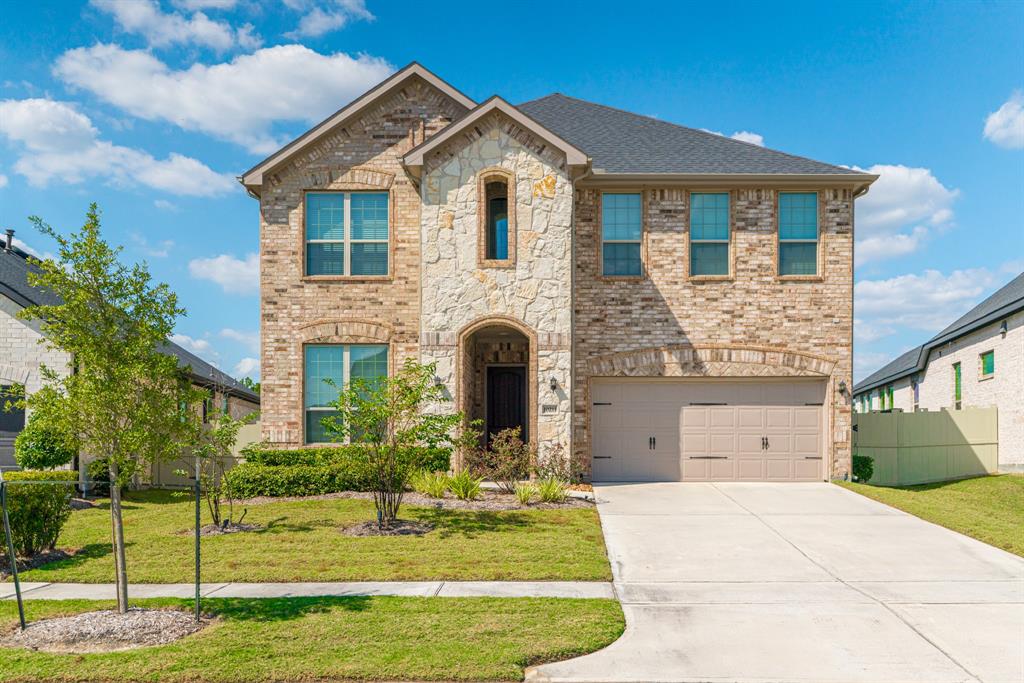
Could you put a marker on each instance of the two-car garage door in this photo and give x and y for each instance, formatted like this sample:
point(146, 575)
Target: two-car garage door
point(724, 430)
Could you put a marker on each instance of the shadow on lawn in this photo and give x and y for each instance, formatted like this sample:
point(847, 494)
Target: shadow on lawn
point(78, 557)
point(284, 609)
point(470, 523)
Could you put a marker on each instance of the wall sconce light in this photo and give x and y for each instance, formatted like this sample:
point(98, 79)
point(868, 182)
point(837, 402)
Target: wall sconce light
point(554, 383)
point(842, 386)
point(437, 381)
point(1002, 328)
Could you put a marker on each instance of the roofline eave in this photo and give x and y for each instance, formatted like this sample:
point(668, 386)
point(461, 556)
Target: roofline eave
point(859, 182)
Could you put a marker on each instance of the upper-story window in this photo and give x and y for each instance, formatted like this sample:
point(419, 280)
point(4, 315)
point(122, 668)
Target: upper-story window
point(347, 233)
point(329, 368)
point(957, 386)
point(709, 233)
point(621, 230)
point(496, 197)
point(988, 364)
point(798, 233)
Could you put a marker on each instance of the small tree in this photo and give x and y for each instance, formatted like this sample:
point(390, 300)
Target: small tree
point(121, 402)
point(392, 417)
point(214, 450)
point(44, 444)
point(506, 462)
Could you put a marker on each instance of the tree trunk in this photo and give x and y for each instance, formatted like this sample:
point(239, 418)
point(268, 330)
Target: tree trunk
point(117, 529)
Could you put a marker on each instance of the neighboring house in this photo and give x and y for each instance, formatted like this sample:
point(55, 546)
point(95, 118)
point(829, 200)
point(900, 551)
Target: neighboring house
point(663, 302)
point(976, 361)
point(21, 354)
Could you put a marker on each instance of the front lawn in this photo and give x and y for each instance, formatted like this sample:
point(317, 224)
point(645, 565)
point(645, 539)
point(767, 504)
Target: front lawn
point(306, 639)
point(991, 509)
point(301, 542)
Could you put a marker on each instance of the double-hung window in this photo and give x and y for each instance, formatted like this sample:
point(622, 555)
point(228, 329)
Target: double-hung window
point(798, 233)
point(709, 233)
point(328, 369)
point(347, 233)
point(621, 231)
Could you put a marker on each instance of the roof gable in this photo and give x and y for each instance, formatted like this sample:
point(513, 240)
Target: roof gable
point(413, 159)
point(253, 178)
point(623, 143)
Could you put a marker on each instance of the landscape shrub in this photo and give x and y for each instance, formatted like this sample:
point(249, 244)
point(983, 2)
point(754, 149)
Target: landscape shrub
point(525, 493)
point(465, 486)
point(557, 464)
point(43, 446)
point(249, 480)
point(505, 462)
point(433, 484)
point(863, 468)
point(551, 491)
point(38, 511)
point(429, 459)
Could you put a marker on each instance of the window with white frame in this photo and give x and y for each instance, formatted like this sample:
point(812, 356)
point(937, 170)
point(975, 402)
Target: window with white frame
point(328, 369)
point(347, 233)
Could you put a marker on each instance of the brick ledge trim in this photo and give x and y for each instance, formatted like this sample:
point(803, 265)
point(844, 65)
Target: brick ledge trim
point(354, 329)
point(711, 360)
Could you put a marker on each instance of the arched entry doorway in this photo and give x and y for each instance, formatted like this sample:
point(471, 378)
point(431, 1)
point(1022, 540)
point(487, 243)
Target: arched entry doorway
point(498, 373)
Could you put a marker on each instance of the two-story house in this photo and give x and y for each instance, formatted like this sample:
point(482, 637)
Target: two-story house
point(663, 302)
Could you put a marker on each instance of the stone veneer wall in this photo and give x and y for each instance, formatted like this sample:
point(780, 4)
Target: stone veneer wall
point(536, 291)
point(363, 154)
point(813, 318)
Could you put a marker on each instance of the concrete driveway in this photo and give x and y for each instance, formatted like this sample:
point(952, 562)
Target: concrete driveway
point(798, 582)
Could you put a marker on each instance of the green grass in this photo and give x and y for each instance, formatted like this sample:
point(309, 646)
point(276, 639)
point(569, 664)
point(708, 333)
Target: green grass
point(990, 509)
point(301, 542)
point(307, 639)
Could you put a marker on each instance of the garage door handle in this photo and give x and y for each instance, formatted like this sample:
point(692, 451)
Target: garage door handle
point(709, 457)
point(602, 457)
point(812, 457)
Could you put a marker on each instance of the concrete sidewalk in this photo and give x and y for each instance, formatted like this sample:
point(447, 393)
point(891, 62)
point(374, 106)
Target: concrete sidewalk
point(444, 589)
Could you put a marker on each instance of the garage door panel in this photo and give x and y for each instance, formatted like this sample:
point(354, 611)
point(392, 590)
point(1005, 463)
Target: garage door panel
point(707, 442)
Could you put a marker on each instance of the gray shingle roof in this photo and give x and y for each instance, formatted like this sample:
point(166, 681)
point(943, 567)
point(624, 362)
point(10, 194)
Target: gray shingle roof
point(621, 142)
point(14, 269)
point(1006, 300)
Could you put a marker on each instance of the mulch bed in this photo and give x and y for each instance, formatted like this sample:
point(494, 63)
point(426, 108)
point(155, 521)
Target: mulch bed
point(217, 530)
point(105, 631)
point(400, 527)
point(37, 560)
point(489, 501)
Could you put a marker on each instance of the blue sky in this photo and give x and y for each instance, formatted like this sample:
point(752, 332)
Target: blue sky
point(151, 108)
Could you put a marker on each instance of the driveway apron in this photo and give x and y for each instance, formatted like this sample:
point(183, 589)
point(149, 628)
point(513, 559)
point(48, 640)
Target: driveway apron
point(761, 582)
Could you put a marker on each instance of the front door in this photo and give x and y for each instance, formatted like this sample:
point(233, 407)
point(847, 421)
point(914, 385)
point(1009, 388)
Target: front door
point(506, 399)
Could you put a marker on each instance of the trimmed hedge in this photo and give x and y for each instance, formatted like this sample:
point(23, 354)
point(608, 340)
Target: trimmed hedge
point(38, 511)
point(863, 468)
point(431, 459)
point(312, 471)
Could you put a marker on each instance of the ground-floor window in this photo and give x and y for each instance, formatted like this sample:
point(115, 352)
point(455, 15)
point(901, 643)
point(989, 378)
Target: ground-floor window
point(329, 368)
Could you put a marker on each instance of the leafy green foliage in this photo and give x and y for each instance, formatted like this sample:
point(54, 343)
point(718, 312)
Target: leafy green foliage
point(465, 486)
point(121, 403)
point(43, 445)
point(250, 384)
point(863, 468)
point(389, 417)
point(250, 480)
point(214, 454)
point(436, 459)
point(551, 491)
point(525, 493)
point(506, 462)
point(37, 511)
point(433, 484)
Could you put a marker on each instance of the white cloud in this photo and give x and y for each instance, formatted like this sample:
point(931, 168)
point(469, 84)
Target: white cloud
point(928, 301)
point(200, 347)
point(882, 247)
point(227, 100)
point(161, 29)
point(159, 250)
point(3, 181)
point(61, 143)
point(247, 367)
point(903, 206)
point(193, 5)
point(868, 332)
point(319, 20)
point(236, 276)
point(866, 362)
point(741, 135)
point(251, 340)
point(1005, 126)
point(165, 205)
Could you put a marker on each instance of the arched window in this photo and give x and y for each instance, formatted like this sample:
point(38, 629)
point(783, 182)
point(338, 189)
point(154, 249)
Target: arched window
point(497, 236)
point(496, 193)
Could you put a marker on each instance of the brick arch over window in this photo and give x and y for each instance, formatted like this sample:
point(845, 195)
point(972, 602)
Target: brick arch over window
point(483, 178)
point(346, 331)
point(710, 361)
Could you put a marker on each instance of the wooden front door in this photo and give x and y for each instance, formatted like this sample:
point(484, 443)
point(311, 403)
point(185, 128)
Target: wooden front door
point(506, 399)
